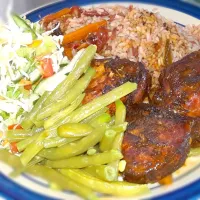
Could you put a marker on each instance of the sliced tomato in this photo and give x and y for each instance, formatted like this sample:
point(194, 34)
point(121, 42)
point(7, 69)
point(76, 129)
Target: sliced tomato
point(47, 67)
point(13, 147)
point(14, 126)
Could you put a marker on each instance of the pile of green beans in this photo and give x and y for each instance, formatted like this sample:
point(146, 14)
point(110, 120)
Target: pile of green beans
point(70, 96)
point(115, 188)
point(75, 146)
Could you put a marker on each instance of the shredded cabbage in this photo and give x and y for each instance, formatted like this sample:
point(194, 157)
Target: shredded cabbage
point(17, 61)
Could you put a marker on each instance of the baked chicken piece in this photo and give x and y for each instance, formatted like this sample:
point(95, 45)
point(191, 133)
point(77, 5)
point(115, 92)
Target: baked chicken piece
point(155, 144)
point(111, 73)
point(180, 91)
point(180, 86)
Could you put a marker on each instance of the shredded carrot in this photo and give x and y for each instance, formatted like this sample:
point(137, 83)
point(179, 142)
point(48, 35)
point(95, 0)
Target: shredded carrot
point(35, 44)
point(24, 82)
point(83, 32)
point(14, 126)
point(57, 15)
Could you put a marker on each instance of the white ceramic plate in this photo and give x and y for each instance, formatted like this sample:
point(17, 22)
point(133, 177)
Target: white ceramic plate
point(186, 180)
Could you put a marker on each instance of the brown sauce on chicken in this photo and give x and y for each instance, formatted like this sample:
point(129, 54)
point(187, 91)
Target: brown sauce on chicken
point(156, 143)
point(180, 86)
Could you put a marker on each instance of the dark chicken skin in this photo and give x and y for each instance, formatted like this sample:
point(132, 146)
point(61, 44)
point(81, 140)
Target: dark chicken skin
point(180, 86)
point(156, 143)
point(111, 73)
point(180, 91)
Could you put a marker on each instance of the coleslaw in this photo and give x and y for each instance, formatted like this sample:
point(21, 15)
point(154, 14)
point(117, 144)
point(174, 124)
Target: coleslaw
point(27, 60)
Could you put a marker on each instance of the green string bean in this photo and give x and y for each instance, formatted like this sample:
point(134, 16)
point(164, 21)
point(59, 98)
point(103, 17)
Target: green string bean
point(91, 151)
point(80, 67)
point(99, 103)
point(27, 123)
point(120, 114)
point(75, 148)
point(107, 140)
point(74, 130)
point(24, 143)
point(18, 135)
point(33, 148)
point(103, 172)
point(68, 98)
point(102, 119)
point(94, 115)
point(115, 188)
point(58, 141)
point(120, 117)
point(82, 161)
point(51, 121)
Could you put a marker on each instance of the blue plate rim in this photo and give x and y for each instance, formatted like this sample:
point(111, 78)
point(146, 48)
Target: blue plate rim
point(183, 7)
point(11, 190)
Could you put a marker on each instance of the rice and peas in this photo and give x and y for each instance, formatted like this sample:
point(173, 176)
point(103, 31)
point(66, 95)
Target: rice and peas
point(137, 34)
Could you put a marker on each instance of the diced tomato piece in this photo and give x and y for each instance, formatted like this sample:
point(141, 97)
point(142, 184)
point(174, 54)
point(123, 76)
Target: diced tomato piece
point(47, 67)
point(13, 147)
point(14, 126)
